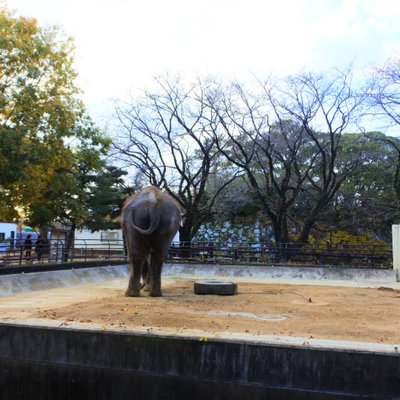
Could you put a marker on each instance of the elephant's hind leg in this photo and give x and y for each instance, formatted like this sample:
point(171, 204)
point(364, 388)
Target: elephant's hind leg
point(146, 273)
point(157, 260)
point(134, 280)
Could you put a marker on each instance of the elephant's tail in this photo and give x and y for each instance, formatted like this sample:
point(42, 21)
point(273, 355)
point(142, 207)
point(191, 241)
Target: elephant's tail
point(154, 222)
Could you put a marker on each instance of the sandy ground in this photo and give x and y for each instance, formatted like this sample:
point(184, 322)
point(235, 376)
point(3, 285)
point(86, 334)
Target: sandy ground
point(307, 311)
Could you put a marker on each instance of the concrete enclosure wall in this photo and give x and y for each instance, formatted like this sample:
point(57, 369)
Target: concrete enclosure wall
point(13, 284)
point(364, 275)
point(47, 363)
point(27, 282)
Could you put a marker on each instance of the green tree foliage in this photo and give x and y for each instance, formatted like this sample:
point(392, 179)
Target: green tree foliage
point(106, 197)
point(46, 135)
point(366, 200)
point(36, 78)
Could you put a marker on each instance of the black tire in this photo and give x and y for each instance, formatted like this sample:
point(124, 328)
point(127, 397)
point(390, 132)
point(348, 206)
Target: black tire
point(215, 287)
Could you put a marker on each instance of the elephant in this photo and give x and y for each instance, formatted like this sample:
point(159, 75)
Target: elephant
point(149, 220)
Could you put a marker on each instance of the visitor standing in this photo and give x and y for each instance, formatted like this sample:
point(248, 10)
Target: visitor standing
point(39, 246)
point(28, 246)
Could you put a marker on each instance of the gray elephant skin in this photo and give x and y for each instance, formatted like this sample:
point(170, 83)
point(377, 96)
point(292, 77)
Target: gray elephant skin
point(150, 220)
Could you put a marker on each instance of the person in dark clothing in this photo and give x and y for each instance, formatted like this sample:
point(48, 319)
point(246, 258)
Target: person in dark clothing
point(39, 247)
point(28, 246)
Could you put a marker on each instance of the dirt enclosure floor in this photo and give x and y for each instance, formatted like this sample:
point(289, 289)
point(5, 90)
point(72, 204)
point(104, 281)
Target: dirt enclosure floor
point(274, 309)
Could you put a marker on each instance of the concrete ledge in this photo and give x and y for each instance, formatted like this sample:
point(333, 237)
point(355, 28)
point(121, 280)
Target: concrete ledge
point(21, 283)
point(56, 267)
point(38, 362)
point(26, 282)
point(284, 272)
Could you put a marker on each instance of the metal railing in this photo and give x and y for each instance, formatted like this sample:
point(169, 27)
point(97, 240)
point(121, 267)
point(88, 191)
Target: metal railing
point(56, 251)
point(376, 256)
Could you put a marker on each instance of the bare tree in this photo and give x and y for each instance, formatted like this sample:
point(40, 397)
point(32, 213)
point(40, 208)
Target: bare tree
point(326, 108)
point(383, 95)
point(383, 92)
point(287, 139)
point(163, 135)
point(251, 135)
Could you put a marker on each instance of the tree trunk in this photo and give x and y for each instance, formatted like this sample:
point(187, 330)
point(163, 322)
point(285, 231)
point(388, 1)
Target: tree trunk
point(45, 244)
point(305, 232)
point(69, 243)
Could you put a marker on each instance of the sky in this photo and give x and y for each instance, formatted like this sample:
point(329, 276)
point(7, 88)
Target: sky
point(122, 44)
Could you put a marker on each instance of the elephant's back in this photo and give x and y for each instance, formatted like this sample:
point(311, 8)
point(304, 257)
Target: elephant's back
point(149, 205)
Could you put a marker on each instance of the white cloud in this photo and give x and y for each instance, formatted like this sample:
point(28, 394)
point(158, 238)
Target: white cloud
point(125, 43)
